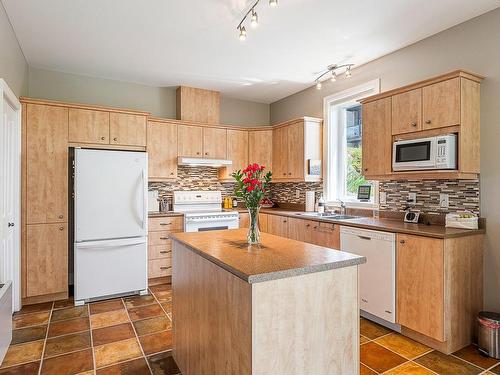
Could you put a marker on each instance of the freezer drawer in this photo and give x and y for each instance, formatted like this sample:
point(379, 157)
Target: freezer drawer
point(106, 268)
point(377, 277)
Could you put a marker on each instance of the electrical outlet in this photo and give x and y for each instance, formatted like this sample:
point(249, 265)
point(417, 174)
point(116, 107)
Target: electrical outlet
point(444, 201)
point(412, 198)
point(383, 197)
point(297, 193)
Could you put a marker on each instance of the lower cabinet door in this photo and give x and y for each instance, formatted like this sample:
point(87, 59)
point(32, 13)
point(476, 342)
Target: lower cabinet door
point(277, 225)
point(46, 259)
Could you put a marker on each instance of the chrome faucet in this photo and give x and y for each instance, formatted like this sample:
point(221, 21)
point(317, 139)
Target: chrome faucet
point(342, 207)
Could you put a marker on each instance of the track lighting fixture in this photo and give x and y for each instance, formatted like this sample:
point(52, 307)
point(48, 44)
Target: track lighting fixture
point(254, 18)
point(333, 69)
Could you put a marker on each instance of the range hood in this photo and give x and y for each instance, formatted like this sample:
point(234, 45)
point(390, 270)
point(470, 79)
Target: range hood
point(203, 162)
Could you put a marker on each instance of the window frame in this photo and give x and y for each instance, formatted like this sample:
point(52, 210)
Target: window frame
point(332, 134)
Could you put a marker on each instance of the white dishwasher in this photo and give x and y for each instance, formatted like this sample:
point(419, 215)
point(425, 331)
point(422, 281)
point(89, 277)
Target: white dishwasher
point(377, 277)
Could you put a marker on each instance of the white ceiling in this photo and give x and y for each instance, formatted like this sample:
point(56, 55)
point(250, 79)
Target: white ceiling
point(195, 42)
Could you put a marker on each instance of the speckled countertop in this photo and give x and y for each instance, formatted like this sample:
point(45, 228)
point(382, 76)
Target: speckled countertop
point(275, 258)
point(164, 214)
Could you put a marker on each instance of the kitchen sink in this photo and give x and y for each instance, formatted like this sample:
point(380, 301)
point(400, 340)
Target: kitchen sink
point(328, 216)
point(342, 217)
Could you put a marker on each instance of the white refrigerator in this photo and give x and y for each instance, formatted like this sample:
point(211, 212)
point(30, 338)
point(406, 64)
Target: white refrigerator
point(110, 211)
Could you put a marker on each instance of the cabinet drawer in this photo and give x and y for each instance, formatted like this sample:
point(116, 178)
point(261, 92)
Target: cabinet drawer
point(165, 223)
point(159, 251)
point(159, 268)
point(160, 238)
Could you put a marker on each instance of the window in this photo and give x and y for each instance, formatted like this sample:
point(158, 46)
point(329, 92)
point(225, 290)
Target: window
point(343, 145)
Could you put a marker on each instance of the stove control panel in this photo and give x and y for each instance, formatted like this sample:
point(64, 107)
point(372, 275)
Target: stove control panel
point(197, 197)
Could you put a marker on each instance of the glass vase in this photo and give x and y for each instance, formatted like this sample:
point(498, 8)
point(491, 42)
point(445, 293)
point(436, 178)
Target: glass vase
point(253, 236)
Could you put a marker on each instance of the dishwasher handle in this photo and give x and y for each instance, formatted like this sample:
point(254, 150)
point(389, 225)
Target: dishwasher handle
point(365, 238)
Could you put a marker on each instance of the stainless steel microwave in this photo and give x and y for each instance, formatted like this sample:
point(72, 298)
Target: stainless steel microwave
point(438, 152)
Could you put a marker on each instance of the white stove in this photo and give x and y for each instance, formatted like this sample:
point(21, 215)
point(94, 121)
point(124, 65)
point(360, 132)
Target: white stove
point(203, 211)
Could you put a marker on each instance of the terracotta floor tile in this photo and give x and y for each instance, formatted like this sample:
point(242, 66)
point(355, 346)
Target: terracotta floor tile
point(379, 358)
point(371, 329)
point(62, 304)
point(137, 301)
point(26, 320)
point(115, 352)
point(106, 306)
point(163, 296)
point(109, 318)
point(65, 344)
point(163, 364)
point(152, 325)
point(23, 353)
point(160, 288)
point(472, 355)
point(402, 345)
point(69, 326)
point(68, 364)
point(447, 364)
point(114, 333)
point(409, 368)
point(495, 370)
point(23, 335)
point(26, 369)
point(363, 370)
point(70, 313)
point(156, 342)
point(38, 307)
point(135, 367)
point(363, 339)
point(144, 312)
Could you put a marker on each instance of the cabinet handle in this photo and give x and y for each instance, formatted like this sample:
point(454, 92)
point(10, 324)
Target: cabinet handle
point(61, 216)
point(388, 312)
point(171, 173)
point(427, 121)
point(197, 153)
point(165, 268)
point(164, 252)
point(289, 173)
point(414, 124)
point(103, 138)
point(61, 228)
point(165, 223)
point(366, 169)
point(164, 238)
point(402, 242)
point(115, 139)
point(206, 153)
point(364, 300)
point(308, 225)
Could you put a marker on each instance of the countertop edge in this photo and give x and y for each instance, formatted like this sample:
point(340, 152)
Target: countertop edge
point(258, 278)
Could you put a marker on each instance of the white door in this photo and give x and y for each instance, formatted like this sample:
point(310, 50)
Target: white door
point(10, 163)
point(110, 194)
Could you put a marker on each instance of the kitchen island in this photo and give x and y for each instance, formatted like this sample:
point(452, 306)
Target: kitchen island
point(283, 307)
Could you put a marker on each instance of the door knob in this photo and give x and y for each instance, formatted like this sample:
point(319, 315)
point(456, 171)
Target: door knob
point(427, 121)
point(61, 228)
point(402, 242)
point(102, 138)
point(414, 124)
point(10, 224)
point(115, 139)
point(61, 216)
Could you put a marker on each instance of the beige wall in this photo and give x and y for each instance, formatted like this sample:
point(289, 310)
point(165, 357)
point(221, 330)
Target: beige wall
point(13, 66)
point(473, 45)
point(160, 101)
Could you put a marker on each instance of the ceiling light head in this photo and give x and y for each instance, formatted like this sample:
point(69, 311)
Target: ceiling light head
point(318, 85)
point(334, 77)
point(348, 72)
point(243, 33)
point(254, 19)
point(273, 3)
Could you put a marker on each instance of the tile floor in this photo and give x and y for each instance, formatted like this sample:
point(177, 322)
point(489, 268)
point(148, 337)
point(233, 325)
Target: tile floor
point(134, 336)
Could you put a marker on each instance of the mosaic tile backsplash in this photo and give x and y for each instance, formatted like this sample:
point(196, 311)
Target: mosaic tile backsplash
point(463, 195)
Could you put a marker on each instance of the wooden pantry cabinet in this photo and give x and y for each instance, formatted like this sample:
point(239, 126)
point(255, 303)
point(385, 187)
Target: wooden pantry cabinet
point(260, 148)
point(162, 150)
point(446, 104)
point(295, 144)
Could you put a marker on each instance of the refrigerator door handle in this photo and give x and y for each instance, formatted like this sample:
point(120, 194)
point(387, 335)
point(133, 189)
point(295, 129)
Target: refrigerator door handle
point(111, 243)
point(144, 203)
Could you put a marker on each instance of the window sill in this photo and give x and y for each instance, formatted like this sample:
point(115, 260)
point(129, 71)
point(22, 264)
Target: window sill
point(354, 204)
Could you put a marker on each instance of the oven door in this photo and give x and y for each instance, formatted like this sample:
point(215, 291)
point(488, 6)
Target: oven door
point(193, 224)
point(414, 154)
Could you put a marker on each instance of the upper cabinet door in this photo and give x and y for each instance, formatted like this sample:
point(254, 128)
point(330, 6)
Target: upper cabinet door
point(190, 141)
point(162, 150)
point(377, 139)
point(214, 143)
point(126, 129)
point(47, 164)
point(280, 153)
point(88, 126)
point(407, 112)
point(441, 104)
point(260, 148)
point(295, 144)
point(237, 152)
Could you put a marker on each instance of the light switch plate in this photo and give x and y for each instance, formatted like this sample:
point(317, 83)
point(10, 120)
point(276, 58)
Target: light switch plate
point(444, 200)
point(412, 198)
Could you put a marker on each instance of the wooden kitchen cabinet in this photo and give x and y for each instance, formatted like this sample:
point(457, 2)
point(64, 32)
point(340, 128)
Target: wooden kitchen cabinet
point(441, 104)
point(190, 141)
point(214, 143)
point(420, 276)
point(126, 129)
point(237, 152)
point(88, 126)
point(280, 153)
point(46, 259)
point(300, 229)
point(263, 222)
point(295, 154)
point(244, 220)
point(260, 148)
point(277, 225)
point(162, 150)
point(377, 141)
point(46, 164)
point(326, 234)
point(407, 112)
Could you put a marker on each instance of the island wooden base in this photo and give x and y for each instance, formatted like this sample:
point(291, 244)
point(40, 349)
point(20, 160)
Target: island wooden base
point(306, 324)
